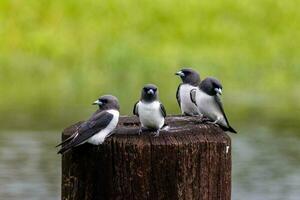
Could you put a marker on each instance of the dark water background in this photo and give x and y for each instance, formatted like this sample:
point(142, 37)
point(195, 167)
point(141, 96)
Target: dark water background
point(265, 165)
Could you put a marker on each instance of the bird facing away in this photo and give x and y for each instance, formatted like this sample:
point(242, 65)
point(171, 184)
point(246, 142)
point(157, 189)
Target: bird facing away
point(190, 80)
point(207, 98)
point(96, 129)
point(149, 109)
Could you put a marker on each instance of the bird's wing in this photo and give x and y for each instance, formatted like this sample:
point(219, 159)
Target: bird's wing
point(178, 96)
point(193, 96)
point(163, 110)
point(220, 106)
point(135, 109)
point(67, 140)
point(87, 129)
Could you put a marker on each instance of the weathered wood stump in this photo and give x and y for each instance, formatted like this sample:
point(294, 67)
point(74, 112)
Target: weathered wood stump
point(191, 160)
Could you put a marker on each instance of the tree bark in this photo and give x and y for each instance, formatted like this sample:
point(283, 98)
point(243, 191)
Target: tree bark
point(191, 160)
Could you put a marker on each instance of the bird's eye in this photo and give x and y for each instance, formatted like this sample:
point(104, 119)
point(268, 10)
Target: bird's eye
point(104, 100)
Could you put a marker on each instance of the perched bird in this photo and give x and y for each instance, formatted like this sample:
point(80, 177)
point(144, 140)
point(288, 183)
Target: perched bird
point(190, 80)
point(149, 109)
point(98, 127)
point(207, 98)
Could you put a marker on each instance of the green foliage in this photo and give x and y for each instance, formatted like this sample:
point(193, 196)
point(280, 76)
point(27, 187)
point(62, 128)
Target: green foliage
point(56, 56)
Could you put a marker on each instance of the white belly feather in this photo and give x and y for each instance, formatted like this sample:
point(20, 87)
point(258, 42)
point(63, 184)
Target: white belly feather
point(186, 105)
point(99, 137)
point(209, 107)
point(150, 115)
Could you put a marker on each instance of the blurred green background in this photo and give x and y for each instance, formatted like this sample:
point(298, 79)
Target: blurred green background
point(57, 57)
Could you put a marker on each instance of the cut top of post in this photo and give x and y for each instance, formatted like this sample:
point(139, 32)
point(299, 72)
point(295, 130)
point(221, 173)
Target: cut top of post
point(180, 130)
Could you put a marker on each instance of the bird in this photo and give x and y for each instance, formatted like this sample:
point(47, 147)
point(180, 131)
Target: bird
point(207, 98)
point(98, 127)
point(150, 110)
point(190, 80)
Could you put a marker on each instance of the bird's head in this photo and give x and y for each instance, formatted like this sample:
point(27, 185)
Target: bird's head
point(149, 93)
point(189, 76)
point(107, 102)
point(211, 86)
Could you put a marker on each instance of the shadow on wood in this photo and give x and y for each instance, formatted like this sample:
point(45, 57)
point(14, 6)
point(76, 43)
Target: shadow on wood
point(191, 160)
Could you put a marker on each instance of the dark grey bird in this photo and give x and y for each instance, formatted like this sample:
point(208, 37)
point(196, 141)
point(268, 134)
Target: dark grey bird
point(190, 80)
point(96, 129)
point(207, 98)
point(150, 110)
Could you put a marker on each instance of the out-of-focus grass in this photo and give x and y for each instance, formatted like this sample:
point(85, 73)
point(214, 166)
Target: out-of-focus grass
point(56, 56)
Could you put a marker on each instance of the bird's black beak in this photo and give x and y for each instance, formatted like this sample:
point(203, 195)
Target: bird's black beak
point(150, 92)
point(180, 73)
point(97, 102)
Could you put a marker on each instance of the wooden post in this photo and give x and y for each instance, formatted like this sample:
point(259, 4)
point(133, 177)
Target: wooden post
point(191, 160)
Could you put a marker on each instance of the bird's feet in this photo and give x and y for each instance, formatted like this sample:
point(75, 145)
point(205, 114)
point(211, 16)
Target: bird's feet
point(205, 119)
point(140, 131)
point(187, 114)
point(212, 122)
point(156, 133)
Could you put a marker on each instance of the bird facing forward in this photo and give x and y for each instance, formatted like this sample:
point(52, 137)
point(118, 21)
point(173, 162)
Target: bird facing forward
point(150, 110)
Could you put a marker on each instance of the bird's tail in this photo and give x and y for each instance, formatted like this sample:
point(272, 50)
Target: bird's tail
point(67, 144)
point(65, 141)
point(64, 149)
point(230, 129)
